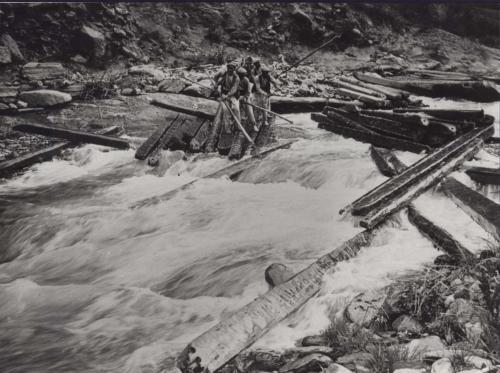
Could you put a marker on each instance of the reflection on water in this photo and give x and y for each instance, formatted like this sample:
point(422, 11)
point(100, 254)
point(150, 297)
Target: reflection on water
point(90, 285)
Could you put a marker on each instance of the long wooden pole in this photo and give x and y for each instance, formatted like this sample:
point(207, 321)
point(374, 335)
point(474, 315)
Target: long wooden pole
point(309, 55)
point(239, 124)
point(268, 111)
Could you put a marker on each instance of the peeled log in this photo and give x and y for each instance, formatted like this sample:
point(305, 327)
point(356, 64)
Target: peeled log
point(451, 114)
point(278, 273)
point(387, 190)
point(391, 93)
point(353, 87)
point(481, 209)
point(396, 203)
point(390, 165)
point(231, 335)
point(367, 99)
point(73, 135)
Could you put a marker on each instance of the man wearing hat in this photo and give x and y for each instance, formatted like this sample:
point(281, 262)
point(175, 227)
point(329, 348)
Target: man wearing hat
point(263, 93)
point(244, 96)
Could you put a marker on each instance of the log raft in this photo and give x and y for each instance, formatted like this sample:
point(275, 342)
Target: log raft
point(484, 175)
point(151, 143)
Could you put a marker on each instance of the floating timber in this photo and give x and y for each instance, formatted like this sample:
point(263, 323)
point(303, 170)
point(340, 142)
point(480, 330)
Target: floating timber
point(165, 140)
point(389, 165)
point(340, 83)
point(218, 345)
point(151, 143)
point(426, 181)
point(73, 135)
point(373, 101)
point(391, 93)
point(387, 191)
point(450, 114)
point(484, 175)
point(297, 104)
point(343, 126)
point(190, 105)
point(232, 171)
point(477, 90)
point(9, 167)
point(481, 209)
point(386, 126)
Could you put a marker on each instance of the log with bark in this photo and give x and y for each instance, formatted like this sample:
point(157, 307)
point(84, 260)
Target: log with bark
point(7, 168)
point(297, 104)
point(389, 165)
point(484, 175)
point(152, 141)
point(165, 140)
point(398, 184)
point(343, 126)
point(218, 345)
point(406, 195)
point(481, 209)
point(73, 135)
point(450, 114)
point(190, 105)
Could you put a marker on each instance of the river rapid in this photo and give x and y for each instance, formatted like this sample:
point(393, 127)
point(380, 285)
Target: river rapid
point(89, 284)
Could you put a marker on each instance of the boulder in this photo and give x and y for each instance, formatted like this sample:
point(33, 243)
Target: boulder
point(277, 273)
point(96, 41)
point(5, 55)
point(38, 71)
point(79, 59)
point(309, 363)
point(409, 370)
point(356, 361)
point(365, 308)
point(171, 85)
point(479, 362)
point(7, 41)
point(336, 368)
point(3, 107)
point(442, 366)
point(405, 323)
point(44, 98)
point(422, 345)
point(148, 70)
point(204, 88)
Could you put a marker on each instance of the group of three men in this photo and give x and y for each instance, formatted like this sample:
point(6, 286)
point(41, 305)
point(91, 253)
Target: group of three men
point(248, 84)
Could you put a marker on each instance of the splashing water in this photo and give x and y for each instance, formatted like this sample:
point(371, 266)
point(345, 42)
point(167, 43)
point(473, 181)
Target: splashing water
point(90, 285)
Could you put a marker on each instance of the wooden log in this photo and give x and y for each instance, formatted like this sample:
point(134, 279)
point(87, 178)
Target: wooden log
point(345, 127)
point(450, 114)
point(367, 99)
point(339, 83)
point(391, 93)
point(388, 190)
point(351, 105)
point(481, 209)
point(185, 133)
point(237, 146)
point(232, 171)
point(419, 120)
point(225, 142)
point(218, 345)
point(190, 105)
point(403, 199)
point(151, 142)
point(297, 104)
point(7, 168)
point(493, 140)
point(484, 175)
point(198, 141)
point(386, 126)
point(165, 140)
point(390, 166)
point(73, 135)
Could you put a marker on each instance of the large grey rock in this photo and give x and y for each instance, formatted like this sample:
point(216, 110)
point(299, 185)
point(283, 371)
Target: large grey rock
point(148, 70)
point(405, 323)
point(44, 98)
point(7, 41)
point(314, 340)
point(96, 40)
point(422, 345)
point(5, 55)
point(309, 363)
point(38, 71)
point(365, 307)
point(171, 85)
point(336, 368)
point(204, 88)
point(356, 361)
point(442, 366)
point(3, 107)
point(277, 273)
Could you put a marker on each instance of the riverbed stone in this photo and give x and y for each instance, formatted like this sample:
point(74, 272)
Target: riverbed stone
point(406, 323)
point(442, 366)
point(171, 85)
point(309, 363)
point(422, 345)
point(356, 361)
point(277, 273)
point(44, 98)
point(5, 55)
point(97, 41)
point(148, 70)
point(409, 370)
point(38, 71)
point(314, 340)
point(479, 362)
point(365, 308)
point(15, 53)
point(336, 368)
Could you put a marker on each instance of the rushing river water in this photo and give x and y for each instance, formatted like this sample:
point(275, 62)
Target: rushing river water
point(90, 285)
